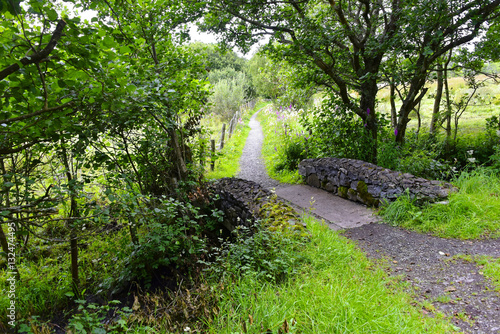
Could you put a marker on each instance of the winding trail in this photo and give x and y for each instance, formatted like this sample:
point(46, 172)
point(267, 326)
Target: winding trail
point(434, 266)
point(252, 166)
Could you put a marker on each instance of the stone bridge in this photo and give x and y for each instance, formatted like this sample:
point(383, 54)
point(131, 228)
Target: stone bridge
point(367, 183)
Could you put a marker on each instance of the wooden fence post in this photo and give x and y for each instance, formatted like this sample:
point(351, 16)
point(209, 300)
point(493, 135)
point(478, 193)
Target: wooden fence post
point(212, 165)
point(222, 136)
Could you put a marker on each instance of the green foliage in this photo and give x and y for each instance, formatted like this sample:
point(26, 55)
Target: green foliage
point(472, 212)
point(97, 123)
point(334, 288)
point(170, 235)
point(336, 132)
point(257, 252)
point(279, 81)
point(218, 58)
point(284, 142)
point(228, 95)
point(89, 318)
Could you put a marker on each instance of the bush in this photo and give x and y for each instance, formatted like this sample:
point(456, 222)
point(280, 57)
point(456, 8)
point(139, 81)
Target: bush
point(259, 253)
point(294, 152)
point(337, 132)
point(228, 93)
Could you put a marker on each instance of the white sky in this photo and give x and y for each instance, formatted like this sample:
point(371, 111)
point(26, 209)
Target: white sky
point(196, 36)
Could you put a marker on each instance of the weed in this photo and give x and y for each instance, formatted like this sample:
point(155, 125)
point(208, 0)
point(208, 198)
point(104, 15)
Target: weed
point(334, 290)
point(472, 212)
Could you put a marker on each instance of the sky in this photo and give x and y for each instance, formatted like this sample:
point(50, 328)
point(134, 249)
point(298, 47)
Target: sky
point(196, 36)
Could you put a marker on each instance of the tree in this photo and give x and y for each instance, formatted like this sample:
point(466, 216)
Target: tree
point(344, 45)
point(117, 94)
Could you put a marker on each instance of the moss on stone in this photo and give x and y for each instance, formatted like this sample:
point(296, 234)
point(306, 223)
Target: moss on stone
point(343, 191)
point(364, 195)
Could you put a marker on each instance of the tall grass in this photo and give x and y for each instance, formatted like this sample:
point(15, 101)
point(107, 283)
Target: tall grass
point(471, 213)
point(336, 290)
point(281, 130)
point(227, 161)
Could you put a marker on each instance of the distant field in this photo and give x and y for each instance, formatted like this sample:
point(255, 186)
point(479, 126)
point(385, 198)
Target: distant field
point(486, 103)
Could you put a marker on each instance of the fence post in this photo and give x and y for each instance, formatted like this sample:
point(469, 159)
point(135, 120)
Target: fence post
point(212, 165)
point(222, 136)
point(202, 152)
point(230, 131)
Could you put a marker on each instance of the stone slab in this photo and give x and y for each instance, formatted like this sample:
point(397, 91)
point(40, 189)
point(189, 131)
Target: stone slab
point(339, 212)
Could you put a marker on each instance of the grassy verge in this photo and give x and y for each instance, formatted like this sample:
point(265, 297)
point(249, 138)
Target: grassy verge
point(471, 213)
point(335, 290)
point(278, 127)
point(490, 268)
point(227, 163)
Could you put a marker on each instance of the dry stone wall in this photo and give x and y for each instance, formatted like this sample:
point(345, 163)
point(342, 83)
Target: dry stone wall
point(241, 201)
point(367, 183)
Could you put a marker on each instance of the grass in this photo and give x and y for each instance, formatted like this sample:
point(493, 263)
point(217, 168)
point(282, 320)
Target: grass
point(337, 290)
point(274, 123)
point(490, 268)
point(227, 161)
point(487, 265)
point(471, 213)
point(484, 105)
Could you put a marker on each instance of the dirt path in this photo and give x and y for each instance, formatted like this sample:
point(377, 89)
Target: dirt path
point(252, 165)
point(432, 265)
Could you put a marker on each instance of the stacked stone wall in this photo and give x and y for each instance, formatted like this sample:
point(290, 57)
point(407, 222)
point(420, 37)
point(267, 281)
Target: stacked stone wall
point(240, 200)
point(367, 183)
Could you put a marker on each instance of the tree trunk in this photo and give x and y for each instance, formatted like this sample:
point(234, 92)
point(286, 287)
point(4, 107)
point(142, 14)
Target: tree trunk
point(448, 104)
point(419, 119)
point(394, 116)
point(74, 212)
point(437, 99)
point(181, 164)
point(367, 104)
point(3, 237)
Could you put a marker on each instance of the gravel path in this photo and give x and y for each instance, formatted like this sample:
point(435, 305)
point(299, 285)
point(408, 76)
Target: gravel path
point(432, 265)
point(252, 165)
point(437, 273)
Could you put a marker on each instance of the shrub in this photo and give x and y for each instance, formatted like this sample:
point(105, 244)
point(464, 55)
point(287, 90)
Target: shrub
point(337, 132)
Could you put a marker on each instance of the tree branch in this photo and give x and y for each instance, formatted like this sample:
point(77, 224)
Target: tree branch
point(37, 57)
point(36, 113)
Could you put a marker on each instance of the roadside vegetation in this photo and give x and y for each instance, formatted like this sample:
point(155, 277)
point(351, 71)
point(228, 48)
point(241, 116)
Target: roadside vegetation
point(321, 284)
point(473, 212)
point(106, 221)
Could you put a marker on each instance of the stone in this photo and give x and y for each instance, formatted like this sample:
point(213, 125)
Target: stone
point(313, 180)
point(369, 184)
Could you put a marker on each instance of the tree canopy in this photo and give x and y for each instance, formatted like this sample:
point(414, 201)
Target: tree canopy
point(348, 46)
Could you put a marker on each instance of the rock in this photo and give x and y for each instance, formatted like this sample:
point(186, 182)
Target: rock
point(367, 183)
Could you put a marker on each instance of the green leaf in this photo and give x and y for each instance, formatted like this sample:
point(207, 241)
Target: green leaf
point(125, 50)
point(52, 14)
point(109, 42)
point(131, 88)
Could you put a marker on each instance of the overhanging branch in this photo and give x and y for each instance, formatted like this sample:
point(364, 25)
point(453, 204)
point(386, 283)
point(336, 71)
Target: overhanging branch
point(37, 57)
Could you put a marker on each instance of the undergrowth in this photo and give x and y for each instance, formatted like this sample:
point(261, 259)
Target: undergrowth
point(330, 287)
point(285, 144)
point(471, 213)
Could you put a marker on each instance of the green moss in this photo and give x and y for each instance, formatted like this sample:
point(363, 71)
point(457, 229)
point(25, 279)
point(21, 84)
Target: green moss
point(363, 193)
point(279, 216)
point(343, 191)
